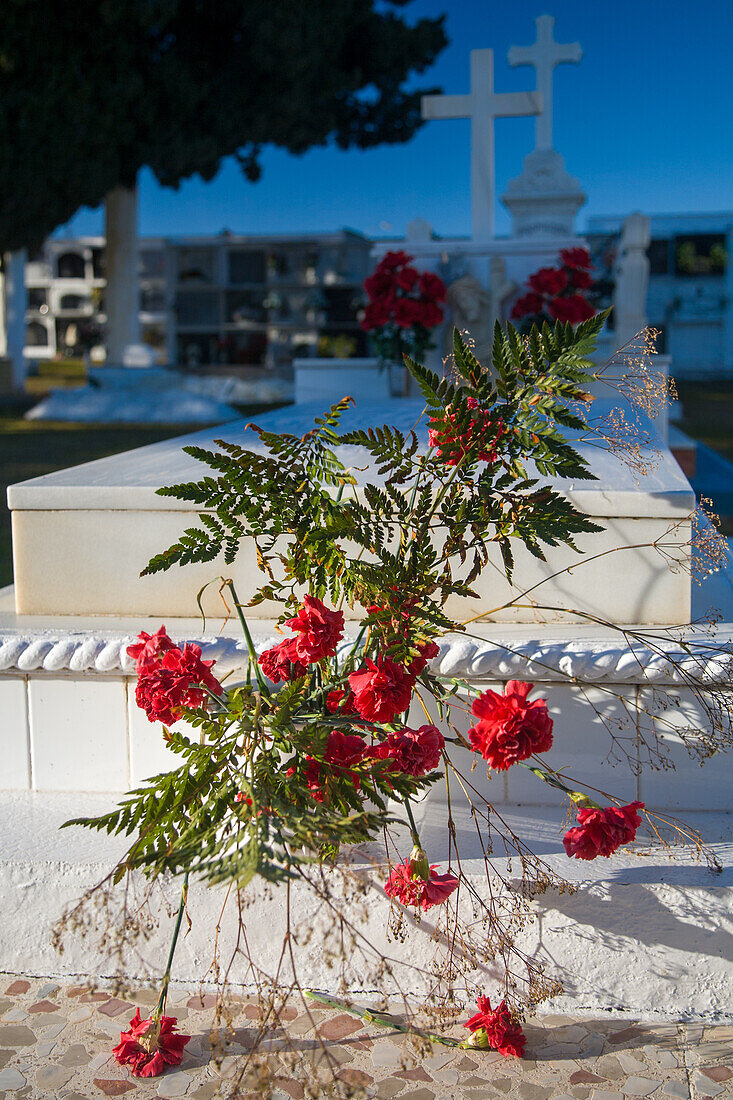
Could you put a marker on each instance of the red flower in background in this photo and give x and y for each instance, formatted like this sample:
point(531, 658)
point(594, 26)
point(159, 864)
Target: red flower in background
point(150, 1045)
point(281, 662)
point(548, 280)
point(177, 680)
point(476, 442)
point(574, 309)
point(577, 258)
point(601, 830)
point(407, 886)
point(401, 295)
point(510, 728)
point(581, 280)
point(319, 630)
point(432, 287)
point(500, 1031)
point(528, 305)
point(382, 689)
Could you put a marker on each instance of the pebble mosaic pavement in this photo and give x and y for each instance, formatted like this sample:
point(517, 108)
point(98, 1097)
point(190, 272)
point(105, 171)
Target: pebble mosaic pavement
point(56, 1041)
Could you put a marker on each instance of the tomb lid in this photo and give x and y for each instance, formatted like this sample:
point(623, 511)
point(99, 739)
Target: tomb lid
point(129, 480)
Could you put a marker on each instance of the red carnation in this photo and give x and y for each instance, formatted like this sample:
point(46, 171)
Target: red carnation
point(526, 306)
point(343, 751)
point(341, 700)
point(377, 314)
point(572, 309)
point(494, 1028)
point(477, 441)
point(416, 752)
point(577, 258)
point(382, 689)
point(380, 283)
point(150, 1045)
point(432, 287)
point(319, 628)
point(430, 314)
point(406, 277)
point(426, 652)
point(150, 647)
point(407, 312)
point(176, 682)
point(548, 280)
point(281, 662)
point(509, 728)
point(390, 261)
point(601, 830)
point(414, 883)
point(580, 279)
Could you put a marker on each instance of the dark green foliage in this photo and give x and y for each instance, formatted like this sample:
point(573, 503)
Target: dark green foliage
point(90, 92)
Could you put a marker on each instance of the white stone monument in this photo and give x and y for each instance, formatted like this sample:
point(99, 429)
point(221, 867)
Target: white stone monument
point(482, 106)
point(544, 199)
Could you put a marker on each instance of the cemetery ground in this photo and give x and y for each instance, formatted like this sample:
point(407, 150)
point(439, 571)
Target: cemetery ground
point(57, 1041)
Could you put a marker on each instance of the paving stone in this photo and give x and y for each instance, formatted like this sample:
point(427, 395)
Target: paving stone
point(386, 1054)
point(15, 1016)
point(44, 1049)
point(466, 1063)
point(640, 1086)
point(48, 989)
point(417, 1073)
point(625, 1035)
point(678, 1089)
point(357, 1078)
point(503, 1084)
point(11, 1079)
point(53, 1077)
point(447, 1076)
point(99, 1060)
point(584, 1077)
point(704, 1085)
point(79, 1014)
point(94, 997)
point(76, 1055)
point(630, 1062)
point(389, 1087)
point(717, 1073)
point(609, 1066)
point(338, 1027)
point(198, 1003)
point(16, 1035)
point(174, 1084)
point(113, 1088)
point(52, 1026)
point(115, 1007)
point(18, 987)
point(43, 1006)
point(603, 1094)
point(529, 1091)
point(419, 1094)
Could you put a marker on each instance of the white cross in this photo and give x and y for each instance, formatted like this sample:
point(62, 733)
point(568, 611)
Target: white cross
point(545, 54)
point(482, 105)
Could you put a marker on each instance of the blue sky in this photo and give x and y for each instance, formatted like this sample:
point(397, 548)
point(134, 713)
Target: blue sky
point(644, 121)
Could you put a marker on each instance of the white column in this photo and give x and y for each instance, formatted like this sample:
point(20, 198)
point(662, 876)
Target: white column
point(15, 298)
point(728, 306)
point(123, 283)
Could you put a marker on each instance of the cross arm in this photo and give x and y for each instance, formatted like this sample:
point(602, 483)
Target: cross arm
point(446, 106)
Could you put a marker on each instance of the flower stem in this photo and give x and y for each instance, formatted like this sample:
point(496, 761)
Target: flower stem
point(378, 1018)
point(413, 826)
point(248, 639)
point(160, 1006)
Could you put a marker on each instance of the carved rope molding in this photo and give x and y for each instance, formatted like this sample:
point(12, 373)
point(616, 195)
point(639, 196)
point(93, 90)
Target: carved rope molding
point(607, 660)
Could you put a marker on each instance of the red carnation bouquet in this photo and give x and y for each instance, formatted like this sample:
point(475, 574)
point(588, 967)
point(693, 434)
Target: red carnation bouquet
point(557, 293)
point(404, 307)
point(336, 726)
